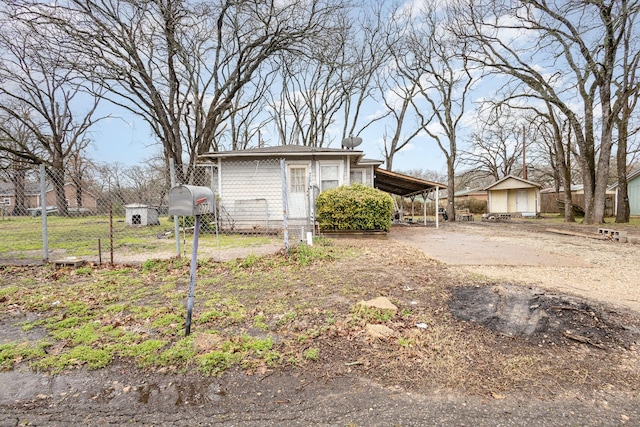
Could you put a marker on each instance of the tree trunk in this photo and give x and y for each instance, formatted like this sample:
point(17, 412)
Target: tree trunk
point(623, 210)
point(18, 181)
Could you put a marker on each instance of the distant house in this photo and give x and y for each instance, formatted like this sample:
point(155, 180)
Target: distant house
point(254, 187)
point(32, 198)
point(513, 196)
point(633, 191)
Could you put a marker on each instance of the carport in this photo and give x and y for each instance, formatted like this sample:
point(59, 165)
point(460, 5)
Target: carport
point(408, 186)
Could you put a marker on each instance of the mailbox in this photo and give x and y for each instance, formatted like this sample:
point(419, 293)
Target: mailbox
point(190, 200)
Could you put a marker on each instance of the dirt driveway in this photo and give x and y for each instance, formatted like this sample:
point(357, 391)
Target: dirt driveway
point(528, 254)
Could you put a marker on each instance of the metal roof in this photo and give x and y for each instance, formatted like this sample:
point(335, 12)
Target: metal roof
point(403, 185)
point(283, 151)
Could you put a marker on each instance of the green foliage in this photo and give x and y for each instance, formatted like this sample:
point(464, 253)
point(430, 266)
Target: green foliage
point(179, 354)
point(311, 354)
point(475, 206)
point(80, 355)
point(354, 207)
point(364, 314)
point(245, 349)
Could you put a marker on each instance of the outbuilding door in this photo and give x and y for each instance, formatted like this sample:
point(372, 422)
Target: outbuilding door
point(522, 201)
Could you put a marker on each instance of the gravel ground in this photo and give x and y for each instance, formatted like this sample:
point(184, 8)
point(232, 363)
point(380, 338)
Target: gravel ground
point(526, 253)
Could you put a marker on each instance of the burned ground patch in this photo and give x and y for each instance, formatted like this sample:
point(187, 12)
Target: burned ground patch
point(540, 317)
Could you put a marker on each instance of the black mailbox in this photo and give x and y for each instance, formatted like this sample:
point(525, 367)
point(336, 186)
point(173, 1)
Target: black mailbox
point(190, 200)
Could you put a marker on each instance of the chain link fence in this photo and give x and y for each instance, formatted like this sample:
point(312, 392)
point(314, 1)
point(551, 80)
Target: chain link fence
point(122, 216)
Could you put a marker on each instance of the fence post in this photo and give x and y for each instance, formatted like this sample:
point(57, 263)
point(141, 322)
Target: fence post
point(283, 171)
point(43, 210)
point(176, 225)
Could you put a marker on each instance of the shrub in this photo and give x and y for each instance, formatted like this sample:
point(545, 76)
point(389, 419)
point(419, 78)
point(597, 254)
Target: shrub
point(354, 207)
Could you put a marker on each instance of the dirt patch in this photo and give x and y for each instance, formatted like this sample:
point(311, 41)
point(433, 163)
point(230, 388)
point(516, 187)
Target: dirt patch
point(540, 318)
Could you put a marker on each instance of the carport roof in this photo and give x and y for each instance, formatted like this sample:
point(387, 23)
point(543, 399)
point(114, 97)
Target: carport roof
point(403, 185)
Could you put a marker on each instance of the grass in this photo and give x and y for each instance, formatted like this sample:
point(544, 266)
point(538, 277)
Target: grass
point(94, 315)
point(82, 237)
point(287, 311)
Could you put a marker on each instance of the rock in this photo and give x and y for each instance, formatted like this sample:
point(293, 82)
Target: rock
point(379, 331)
point(205, 342)
point(380, 302)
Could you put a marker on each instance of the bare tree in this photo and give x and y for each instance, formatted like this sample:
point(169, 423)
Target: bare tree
point(180, 65)
point(627, 85)
point(45, 98)
point(12, 167)
point(439, 60)
point(325, 89)
point(496, 148)
point(563, 53)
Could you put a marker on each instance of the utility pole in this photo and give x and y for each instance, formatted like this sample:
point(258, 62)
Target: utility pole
point(524, 152)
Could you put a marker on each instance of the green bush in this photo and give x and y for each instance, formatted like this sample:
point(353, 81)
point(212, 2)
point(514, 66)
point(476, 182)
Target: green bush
point(475, 206)
point(354, 207)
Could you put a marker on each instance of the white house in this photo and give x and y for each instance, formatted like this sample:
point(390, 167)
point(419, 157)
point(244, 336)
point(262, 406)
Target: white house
point(633, 192)
point(254, 187)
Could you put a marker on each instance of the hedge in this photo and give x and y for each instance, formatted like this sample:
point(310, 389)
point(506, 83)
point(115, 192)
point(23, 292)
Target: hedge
point(354, 207)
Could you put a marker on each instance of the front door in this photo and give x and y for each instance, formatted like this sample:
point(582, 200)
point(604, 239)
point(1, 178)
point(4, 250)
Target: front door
point(297, 191)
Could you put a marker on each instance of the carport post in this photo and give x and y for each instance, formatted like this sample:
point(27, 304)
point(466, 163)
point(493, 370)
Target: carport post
point(424, 207)
point(437, 206)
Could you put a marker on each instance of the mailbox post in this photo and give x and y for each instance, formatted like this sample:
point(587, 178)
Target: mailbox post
point(191, 200)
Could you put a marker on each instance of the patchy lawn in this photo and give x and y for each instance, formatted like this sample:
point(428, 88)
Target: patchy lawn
point(302, 312)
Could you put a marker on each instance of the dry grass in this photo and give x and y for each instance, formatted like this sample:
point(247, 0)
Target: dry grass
point(296, 312)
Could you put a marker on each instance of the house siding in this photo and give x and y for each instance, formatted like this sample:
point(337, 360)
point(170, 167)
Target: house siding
point(633, 190)
point(250, 196)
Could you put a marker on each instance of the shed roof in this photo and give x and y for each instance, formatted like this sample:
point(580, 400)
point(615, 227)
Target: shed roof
point(403, 185)
point(517, 178)
point(630, 177)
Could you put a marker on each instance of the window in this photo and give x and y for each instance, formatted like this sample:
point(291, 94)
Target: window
point(329, 177)
point(6, 201)
point(356, 176)
point(297, 178)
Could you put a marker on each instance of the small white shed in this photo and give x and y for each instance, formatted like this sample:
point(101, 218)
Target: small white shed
point(138, 214)
point(512, 195)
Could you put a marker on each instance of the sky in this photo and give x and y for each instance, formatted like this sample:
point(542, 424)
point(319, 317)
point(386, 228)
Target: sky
point(126, 139)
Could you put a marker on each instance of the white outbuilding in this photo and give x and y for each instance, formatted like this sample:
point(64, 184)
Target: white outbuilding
point(140, 215)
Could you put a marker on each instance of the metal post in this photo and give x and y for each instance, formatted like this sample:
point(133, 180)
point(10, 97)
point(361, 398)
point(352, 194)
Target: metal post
point(283, 170)
point(192, 276)
point(111, 228)
point(176, 225)
point(43, 206)
point(425, 194)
